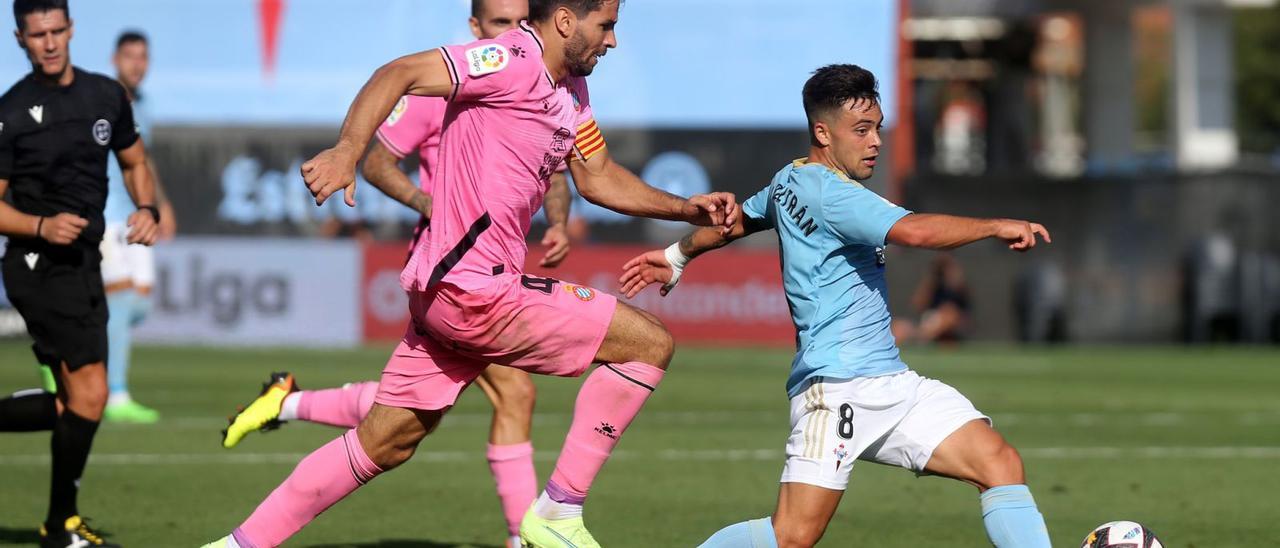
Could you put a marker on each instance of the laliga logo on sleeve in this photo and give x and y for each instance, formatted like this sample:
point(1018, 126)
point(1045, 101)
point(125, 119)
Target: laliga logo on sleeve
point(398, 112)
point(487, 59)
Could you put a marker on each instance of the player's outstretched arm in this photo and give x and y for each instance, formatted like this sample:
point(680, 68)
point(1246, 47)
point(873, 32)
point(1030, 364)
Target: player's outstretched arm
point(935, 231)
point(334, 169)
point(556, 204)
point(665, 266)
point(382, 169)
point(140, 182)
point(605, 183)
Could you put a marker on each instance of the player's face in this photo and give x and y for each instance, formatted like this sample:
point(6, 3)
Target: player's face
point(131, 64)
point(855, 138)
point(499, 16)
point(592, 39)
point(46, 37)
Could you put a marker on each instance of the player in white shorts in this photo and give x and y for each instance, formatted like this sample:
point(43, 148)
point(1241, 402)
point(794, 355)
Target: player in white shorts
point(852, 397)
point(128, 271)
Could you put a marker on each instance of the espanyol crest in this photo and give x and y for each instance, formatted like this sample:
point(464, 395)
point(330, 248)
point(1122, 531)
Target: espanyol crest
point(102, 132)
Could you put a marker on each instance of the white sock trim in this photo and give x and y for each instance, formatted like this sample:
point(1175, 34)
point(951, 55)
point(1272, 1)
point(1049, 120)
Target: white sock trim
point(546, 508)
point(289, 408)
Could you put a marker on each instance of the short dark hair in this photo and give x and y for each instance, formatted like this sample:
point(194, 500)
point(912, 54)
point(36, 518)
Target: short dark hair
point(23, 8)
point(130, 37)
point(540, 10)
point(477, 8)
point(832, 86)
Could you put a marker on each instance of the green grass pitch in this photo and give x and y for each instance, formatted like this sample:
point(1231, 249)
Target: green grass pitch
point(1185, 440)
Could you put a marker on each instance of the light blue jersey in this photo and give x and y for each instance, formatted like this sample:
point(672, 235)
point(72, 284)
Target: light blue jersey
point(832, 232)
point(119, 204)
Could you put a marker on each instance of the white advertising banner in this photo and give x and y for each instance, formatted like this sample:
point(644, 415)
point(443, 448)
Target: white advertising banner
point(255, 292)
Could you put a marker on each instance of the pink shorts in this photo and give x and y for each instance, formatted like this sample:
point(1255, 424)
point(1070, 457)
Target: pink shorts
point(540, 325)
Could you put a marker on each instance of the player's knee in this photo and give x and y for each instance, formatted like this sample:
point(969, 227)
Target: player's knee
point(798, 535)
point(1002, 466)
point(660, 346)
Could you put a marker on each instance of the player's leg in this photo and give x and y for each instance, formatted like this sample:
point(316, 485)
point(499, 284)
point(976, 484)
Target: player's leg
point(799, 521)
point(82, 392)
point(635, 351)
point(118, 268)
point(945, 435)
point(510, 452)
point(385, 439)
point(979, 455)
point(280, 400)
point(420, 383)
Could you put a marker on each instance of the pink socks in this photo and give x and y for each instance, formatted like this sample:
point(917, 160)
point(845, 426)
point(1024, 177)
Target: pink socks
point(320, 480)
point(517, 481)
point(607, 402)
point(342, 407)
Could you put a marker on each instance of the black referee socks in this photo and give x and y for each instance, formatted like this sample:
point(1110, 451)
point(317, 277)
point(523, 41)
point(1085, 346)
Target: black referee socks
point(28, 411)
point(72, 439)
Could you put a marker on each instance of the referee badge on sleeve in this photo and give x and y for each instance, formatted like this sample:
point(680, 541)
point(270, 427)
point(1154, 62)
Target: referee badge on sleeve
point(102, 132)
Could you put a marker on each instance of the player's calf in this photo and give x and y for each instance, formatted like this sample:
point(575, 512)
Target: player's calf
point(390, 435)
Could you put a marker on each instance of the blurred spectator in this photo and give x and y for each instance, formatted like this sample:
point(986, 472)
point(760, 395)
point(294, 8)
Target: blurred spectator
point(942, 300)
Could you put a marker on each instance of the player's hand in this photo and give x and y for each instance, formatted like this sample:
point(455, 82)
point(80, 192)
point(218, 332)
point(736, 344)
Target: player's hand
point(61, 229)
point(1021, 235)
point(649, 268)
point(168, 223)
point(556, 239)
point(714, 209)
point(142, 228)
point(332, 170)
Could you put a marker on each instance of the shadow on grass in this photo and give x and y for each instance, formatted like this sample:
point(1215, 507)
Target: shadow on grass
point(22, 535)
point(402, 543)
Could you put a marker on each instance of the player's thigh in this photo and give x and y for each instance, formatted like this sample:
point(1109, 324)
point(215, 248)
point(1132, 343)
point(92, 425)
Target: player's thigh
point(803, 513)
point(977, 454)
point(928, 430)
point(636, 335)
point(540, 325)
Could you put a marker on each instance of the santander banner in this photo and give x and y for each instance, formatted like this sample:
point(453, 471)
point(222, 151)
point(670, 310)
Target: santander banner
point(726, 297)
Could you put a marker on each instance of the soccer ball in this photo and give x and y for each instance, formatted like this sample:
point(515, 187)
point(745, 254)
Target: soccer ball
point(1121, 534)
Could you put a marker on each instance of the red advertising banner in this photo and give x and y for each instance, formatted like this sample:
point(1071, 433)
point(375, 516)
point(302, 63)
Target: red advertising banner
point(725, 297)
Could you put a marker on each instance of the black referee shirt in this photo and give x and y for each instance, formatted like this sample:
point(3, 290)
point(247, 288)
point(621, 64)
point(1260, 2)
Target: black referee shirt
point(54, 143)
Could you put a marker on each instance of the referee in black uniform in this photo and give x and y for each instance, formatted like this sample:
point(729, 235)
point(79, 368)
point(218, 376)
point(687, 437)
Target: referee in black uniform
point(57, 126)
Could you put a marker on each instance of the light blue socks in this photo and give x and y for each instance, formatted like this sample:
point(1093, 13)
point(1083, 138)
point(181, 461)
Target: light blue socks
point(127, 308)
point(1012, 519)
point(757, 533)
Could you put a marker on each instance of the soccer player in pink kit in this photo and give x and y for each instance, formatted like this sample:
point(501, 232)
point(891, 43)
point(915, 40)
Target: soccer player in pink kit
point(519, 106)
point(415, 124)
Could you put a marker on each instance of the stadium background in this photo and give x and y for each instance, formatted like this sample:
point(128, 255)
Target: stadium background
point(1132, 129)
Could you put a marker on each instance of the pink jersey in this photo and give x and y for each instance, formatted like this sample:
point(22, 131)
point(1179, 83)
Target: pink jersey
point(507, 128)
point(414, 125)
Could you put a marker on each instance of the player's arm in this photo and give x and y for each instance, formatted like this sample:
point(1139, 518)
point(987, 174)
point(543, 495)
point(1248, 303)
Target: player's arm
point(935, 231)
point(423, 73)
point(60, 229)
point(140, 183)
point(605, 183)
point(556, 205)
point(382, 169)
point(168, 227)
point(665, 266)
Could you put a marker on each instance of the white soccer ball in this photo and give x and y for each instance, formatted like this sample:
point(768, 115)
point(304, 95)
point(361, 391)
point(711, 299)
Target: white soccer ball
point(1121, 534)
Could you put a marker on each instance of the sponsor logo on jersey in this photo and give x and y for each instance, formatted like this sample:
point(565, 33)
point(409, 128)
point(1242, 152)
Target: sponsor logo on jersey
point(840, 454)
point(582, 293)
point(487, 59)
point(102, 132)
point(31, 259)
point(37, 113)
point(398, 112)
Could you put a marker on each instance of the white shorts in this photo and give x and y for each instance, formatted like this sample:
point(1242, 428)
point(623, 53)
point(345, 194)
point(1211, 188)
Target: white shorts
point(122, 261)
point(895, 419)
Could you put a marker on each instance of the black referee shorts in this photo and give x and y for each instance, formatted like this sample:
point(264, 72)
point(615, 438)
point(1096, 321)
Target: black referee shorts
point(58, 291)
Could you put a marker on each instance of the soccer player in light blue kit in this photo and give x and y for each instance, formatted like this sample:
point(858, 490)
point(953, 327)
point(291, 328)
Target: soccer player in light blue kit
point(128, 270)
point(852, 397)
